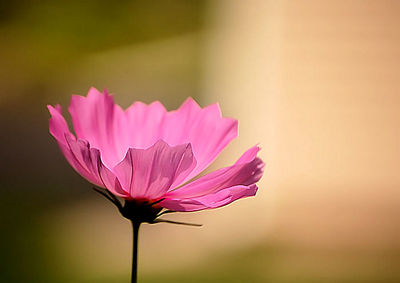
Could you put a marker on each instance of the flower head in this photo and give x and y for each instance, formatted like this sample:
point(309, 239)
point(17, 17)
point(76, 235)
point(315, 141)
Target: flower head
point(147, 154)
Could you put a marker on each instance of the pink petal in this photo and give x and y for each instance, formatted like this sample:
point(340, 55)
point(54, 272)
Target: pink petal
point(145, 124)
point(57, 125)
point(111, 182)
point(178, 123)
point(102, 123)
point(223, 185)
point(218, 199)
point(59, 130)
point(107, 127)
point(207, 131)
point(149, 173)
point(85, 160)
point(92, 168)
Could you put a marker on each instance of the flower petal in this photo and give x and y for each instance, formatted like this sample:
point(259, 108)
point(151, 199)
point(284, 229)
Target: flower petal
point(94, 170)
point(86, 159)
point(58, 127)
point(59, 130)
point(107, 127)
point(225, 184)
point(206, 129)
point(111, 182)
point(145, 124)
point(218, 199)
point(149, 173)
point(102, 123)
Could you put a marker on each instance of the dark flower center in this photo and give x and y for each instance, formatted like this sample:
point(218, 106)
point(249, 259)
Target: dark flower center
point(140, 210)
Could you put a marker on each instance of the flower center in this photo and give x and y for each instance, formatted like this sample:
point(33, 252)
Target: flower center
point(141, 210)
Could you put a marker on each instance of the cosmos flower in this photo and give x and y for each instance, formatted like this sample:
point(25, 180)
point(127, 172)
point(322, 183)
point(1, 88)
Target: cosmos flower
point(145, 154)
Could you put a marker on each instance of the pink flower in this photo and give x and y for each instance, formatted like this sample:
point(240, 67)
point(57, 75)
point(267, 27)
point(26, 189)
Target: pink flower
point(145, 153)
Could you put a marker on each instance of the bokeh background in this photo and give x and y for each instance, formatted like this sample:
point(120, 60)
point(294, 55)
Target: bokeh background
point(315, 83)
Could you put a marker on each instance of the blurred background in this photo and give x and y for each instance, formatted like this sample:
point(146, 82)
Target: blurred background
point(315, 83)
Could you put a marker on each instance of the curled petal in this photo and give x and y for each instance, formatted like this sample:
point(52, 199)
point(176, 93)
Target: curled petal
point(84, 159)
point(92, 167)
point(246, 171)
point(218, 199)
point(223, 185)
point(65, 139)
point(57, 125)
point(111, 182)
point(149, 173)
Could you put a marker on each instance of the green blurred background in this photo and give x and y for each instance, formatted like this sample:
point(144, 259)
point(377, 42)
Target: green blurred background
point(316, 83)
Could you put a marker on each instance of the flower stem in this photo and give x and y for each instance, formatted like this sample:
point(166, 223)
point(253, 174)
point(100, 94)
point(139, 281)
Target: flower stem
point(135, 226)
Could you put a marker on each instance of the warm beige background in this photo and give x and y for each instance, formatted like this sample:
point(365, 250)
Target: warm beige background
point(316, 82)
